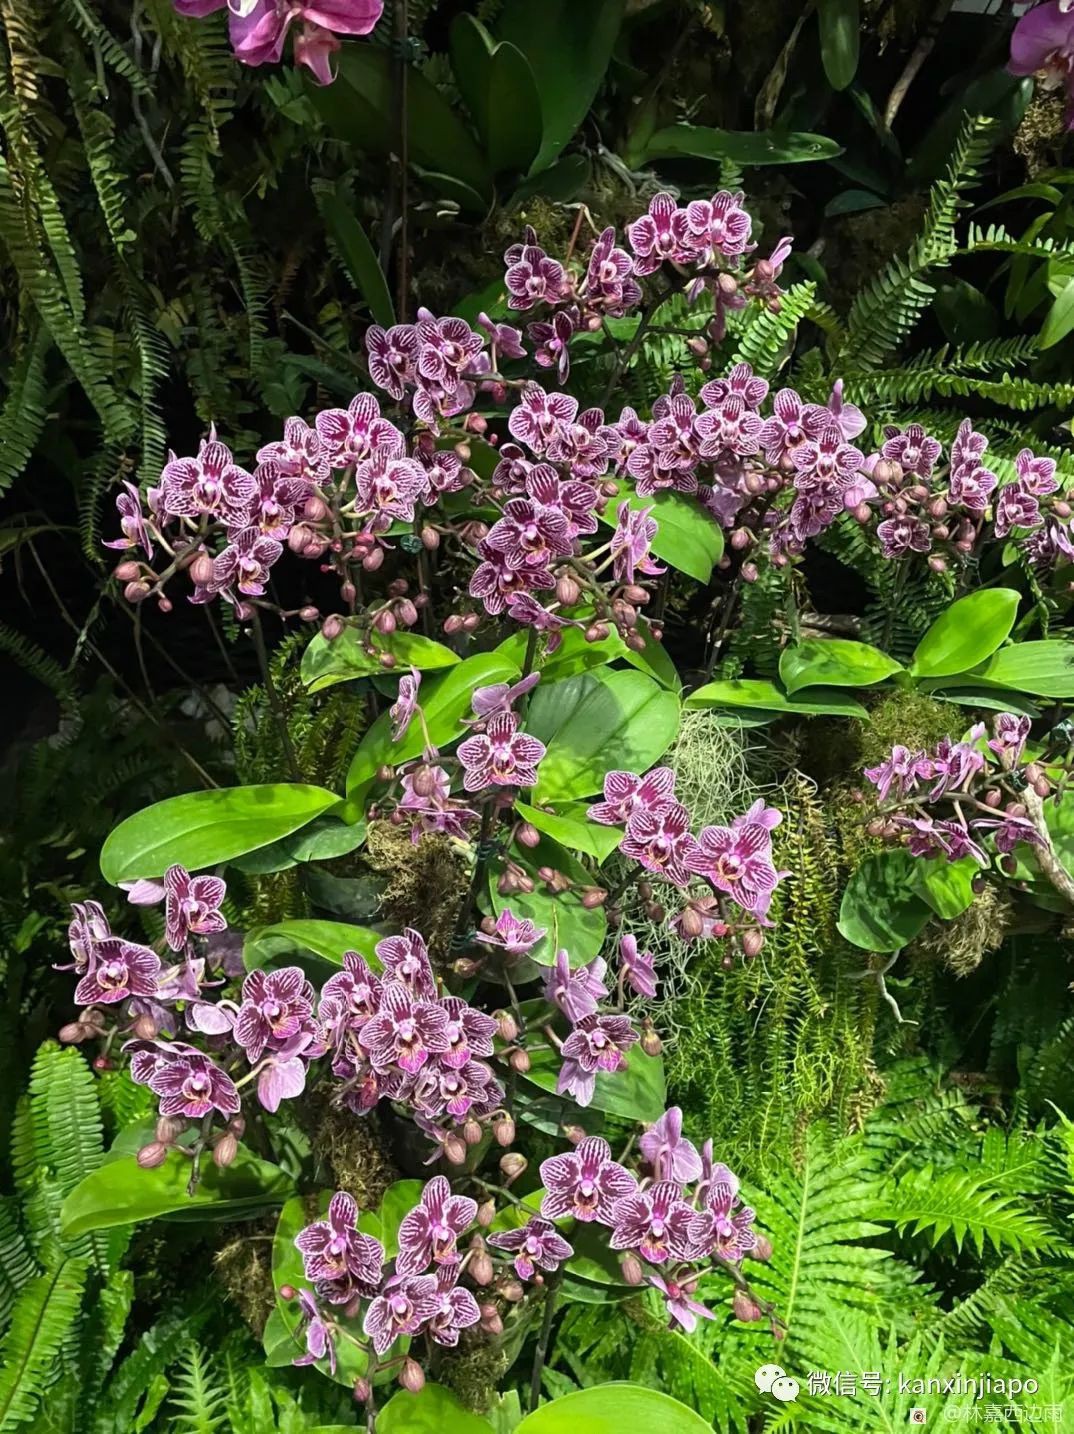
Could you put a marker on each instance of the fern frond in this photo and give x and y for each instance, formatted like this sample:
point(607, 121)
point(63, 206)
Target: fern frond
point(38, 664)
point(23, 416)
point(960, 1204)
point(198, 1398)
point(43, 1315)
point(766, 342)
point(17, 1265)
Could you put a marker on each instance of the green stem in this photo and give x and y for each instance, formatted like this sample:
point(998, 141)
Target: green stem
point(543, 1340)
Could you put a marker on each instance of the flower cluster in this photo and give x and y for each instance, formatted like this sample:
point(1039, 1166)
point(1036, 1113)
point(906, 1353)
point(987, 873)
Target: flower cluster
point(953, 799)
point(736, 861)
point(671, 1219)
point(259, 28)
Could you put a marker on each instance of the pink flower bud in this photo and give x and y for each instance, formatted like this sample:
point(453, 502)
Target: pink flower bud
point(466, 968)
point(453, 624)
point(145, 1028)
point(630, 1267)
point(745, 1307)
point(104, 1063)
point(309, 614)
point(384, 622)
point(472, 1132)
point(373, 560)
point(752, 943)
point(225, 1151)
point(407, 613)
point(237, 1126)
point(650, 1042)
point(508, 1026)
point(299, 539)
point(567, 591)
point(136, 592)
point(129, 571)
point(504, 1130)
point(363, 1391)
point(482, 1271)
point(512, 1165)
point(762, 1250)
point(471, 622)
point(287, 1292)
point(170, 1128)
point(486, 1213)
point(573, 1133)
point(512, 1291)
point(388, 659)
point(741, 539)
point(594, 897)
point(519, 1060)
point(332, 627)
point(316, 509)
point(411, 1376)
point(528, 835)
point(491, 1322)
point(152, 1155)
point(455, 1150)
point(430, 539)
point(73, 1033)
point(749, 572)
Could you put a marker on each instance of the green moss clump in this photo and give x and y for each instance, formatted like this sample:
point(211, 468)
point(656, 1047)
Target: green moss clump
point(244, 1268)
point(908, 717)
point(473, 1370)
point(962, 944)
point(352, 1151)
point(424, 883)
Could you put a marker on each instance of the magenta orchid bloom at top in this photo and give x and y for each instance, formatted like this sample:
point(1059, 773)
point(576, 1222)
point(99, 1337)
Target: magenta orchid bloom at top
point(1042, 45)
point(501, 756)
point(259, 28)
point(429, 1234)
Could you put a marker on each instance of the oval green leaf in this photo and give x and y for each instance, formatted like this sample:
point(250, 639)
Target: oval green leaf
point(637, 1093)
point(946, 886)
point(434, 1410)
point(611, 1409)
point(834, 662)
point(345, 658)
point(967, 633)
point(202, 829)
point(687, 536)
point(743, 147)
point(1043, 669)
point(840, 23)
point(265, 945)
point(120, 1192)
point(570, 826)
point(566, 922)
point(611, 720)
point(881, 910)
point(756, 695)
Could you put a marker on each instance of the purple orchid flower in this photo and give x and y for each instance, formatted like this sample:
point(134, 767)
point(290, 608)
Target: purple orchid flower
point(456, 1310)
point(405, 705)
point(499, 699)
point(671, 1156)
point(682, 1308)
point(405, 1032)
point(659, 838)
point(537, 1244)
point(192, 906)
point(738, 860)
point(655, 1222)
point(276, 1005)
point(584, 1183)
point(501, 756)
point(88, 928)
point(637, 967)
point(579, 992)
point(338, 1256)
point(405, 958)
point(597, 1044)
point(132, 523)
point(187, 1082)
point(631, 543)
point(117, 969)
point(470, 1033)
point(319, 1344)
point(429, 1233)
point(516, 936)
point(625, 794)
point(405, 1305)
point(1010, 739)
point(725, 1226)
point(211, 483)
point(1042, 44)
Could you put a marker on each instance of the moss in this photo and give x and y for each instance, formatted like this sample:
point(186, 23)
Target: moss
point(473, 1370)
point(351, 1151)
point(962, 944)
point(1039, 138)
point(424, 882)
point(908, 717)
point(244, 1268)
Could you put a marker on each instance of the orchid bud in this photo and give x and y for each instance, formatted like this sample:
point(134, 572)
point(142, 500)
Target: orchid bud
point(596, 632)
point(406, 612)
point(237, 1126)
point(169, 1129)
point(491, 1322)
point(937, 564)
point(423, 781)
point(746, 1308)
point(93, 1017)
point(508, 1026)
point(152, 1155)
point(512, 1291)
point(594, 897)
point(762, 1250)
point(225, 1151)
point(486, 1213)
point(472, 1132)
point(453, 624)
point(752, 944)
point(507, 884)
point(727, 285)
point(309, 614)
point(287, 1292)
point(315, 510)
point(512, 1165)
point(430, 539)
point(104, 1063)
point(650, 1042)
point(504, 1130)
point(130, 571)
point(573, 1133)
point(363, 1391)
point(528, 835)
point(384, 622)
point(455, 1150)
point(630, 1268)
point(73, 1033)
point(373, 560)
point(201, 569)
point(145, 1028)
point(466, 968)
point(749, 572)
point(568, 591)
point(741, 539)
point(412, 1376)
point(136, 592)
point(482, 1271)
point(332, 626)
point(471, 622)
point(862, 513)
point(388, 659)
point(519, 1060)
point(691, 923)
point(299, 539)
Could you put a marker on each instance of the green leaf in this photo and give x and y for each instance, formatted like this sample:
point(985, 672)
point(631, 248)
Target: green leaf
point(881, 910)
point(345, 658)
point(323, 839)
point(328, 939)
point(637, 1093)
point(746, 148)
point(966, 633)
point(358, 257)
point(434, 1410)
point(834, 662)
point(497, 83)
point(1059, 319)
point(41, 1321)
point(359, 109)
point(1043, 669)
point(571, 828)
point(202, 829)
point(687, 536)
point(758, 695)
point(445, 701)
point(566, 921)
point(840, 23)
point(120, 1192)
point(611, 1409)
point(947, 886)
point(603, 721)
point(568, 51)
